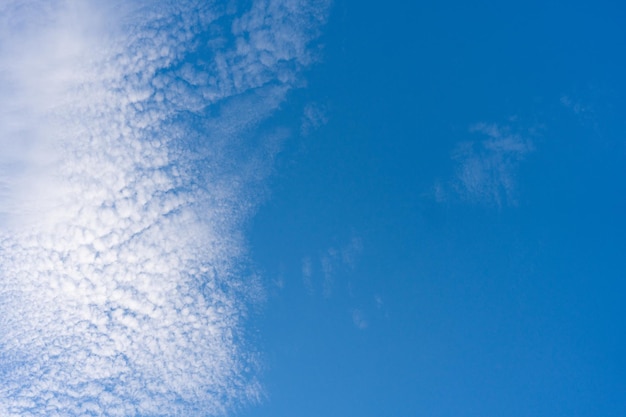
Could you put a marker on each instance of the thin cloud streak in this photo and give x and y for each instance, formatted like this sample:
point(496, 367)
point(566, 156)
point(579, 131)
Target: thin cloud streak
point(130, 164)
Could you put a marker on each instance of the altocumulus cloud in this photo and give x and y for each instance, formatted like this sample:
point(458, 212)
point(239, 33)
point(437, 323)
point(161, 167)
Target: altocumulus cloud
point(131, 149)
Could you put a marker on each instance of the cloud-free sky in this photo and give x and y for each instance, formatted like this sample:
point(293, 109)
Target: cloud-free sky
point(312, 208)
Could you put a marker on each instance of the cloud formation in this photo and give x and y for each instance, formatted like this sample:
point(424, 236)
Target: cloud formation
point(315, 115)
point(486, 169)
point(359, 319)
point(131, 152)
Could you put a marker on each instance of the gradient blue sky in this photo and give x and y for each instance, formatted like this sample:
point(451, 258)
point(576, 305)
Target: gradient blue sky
point(490, 280)
point(305, 208)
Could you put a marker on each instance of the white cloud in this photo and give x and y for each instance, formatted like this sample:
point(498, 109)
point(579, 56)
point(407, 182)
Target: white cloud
point(359, 320)
point(332, 261)
point(486, 169)
point(129, 162)
point(307, 273)
point(329, 264)
point(315, 115)
point(352, 251)
point(575, 105)
point(379, 301)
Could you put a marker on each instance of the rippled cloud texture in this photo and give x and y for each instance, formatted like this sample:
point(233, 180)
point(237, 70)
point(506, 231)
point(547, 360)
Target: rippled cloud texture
point(131, 147)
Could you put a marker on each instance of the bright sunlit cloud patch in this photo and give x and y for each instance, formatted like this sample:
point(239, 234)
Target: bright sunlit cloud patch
point(130, 152)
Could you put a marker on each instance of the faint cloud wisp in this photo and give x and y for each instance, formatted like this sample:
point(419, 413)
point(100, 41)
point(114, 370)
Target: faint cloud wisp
point(486, 170)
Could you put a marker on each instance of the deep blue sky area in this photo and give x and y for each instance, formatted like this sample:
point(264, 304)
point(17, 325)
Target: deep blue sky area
point(408, 276)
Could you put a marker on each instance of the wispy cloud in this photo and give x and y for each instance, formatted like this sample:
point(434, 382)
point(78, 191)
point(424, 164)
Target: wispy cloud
point(307, 273)
point(130, 155)
point(486, 169)
point(359, 319)
point(593, 110)
point(314, 116)
point(332, 261)
point(574, 105)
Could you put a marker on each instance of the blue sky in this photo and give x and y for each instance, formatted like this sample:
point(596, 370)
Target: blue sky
point(298, 207)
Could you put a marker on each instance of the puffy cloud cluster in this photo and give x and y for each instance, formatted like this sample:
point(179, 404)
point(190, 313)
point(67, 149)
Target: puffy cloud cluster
point(129, 158)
